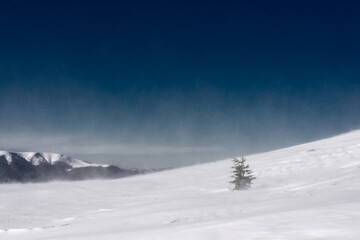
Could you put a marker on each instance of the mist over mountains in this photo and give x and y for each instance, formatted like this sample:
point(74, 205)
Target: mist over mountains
point(41, 167)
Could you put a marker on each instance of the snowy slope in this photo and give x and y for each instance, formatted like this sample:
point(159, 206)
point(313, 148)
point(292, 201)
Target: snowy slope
point(310, 191)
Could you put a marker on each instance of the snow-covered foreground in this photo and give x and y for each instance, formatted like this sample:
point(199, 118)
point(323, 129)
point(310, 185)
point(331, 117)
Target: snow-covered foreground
point(310, 191)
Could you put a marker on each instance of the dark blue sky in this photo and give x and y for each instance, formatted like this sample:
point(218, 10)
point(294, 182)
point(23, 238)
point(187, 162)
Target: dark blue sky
point(178, 79)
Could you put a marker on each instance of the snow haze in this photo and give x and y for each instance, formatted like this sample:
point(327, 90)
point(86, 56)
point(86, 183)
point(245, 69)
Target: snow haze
point(309, 191)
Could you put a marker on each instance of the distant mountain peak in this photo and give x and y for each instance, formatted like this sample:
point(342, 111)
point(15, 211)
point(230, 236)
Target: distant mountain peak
point(37, 166)
point(37, 158)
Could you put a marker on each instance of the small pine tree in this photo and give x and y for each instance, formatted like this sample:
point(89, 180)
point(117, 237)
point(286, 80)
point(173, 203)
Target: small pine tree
point(242, 175)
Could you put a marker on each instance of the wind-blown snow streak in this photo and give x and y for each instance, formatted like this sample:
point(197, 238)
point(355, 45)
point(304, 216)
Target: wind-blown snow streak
point(310, 191)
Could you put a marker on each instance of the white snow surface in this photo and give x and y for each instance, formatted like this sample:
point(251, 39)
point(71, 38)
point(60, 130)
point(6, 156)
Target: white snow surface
point(36, 158)
point(310, 191)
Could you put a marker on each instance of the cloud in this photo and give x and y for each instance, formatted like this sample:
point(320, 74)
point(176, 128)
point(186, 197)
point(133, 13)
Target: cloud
point(89, 145)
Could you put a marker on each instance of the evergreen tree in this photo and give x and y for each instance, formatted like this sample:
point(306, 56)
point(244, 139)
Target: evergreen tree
point(242, 175)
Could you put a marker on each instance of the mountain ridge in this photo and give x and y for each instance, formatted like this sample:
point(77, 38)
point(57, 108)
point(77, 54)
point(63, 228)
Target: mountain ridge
point(41, 167)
